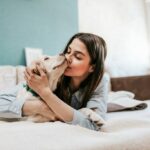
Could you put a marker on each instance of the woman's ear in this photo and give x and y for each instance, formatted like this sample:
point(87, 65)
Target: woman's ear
point(92, 68)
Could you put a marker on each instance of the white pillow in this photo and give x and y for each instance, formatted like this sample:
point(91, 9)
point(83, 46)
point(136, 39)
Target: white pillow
point(120, 94)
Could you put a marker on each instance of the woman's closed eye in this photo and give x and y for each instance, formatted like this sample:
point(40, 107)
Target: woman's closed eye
point(75, 54)
point(78, 56)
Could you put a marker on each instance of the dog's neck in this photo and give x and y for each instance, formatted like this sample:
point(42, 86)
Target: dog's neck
point(53, 84)
point(30, 90)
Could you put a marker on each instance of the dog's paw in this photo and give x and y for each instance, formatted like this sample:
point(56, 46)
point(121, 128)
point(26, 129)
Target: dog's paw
point(93, 116)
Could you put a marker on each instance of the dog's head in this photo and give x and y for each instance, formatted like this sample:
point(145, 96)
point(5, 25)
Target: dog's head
point(53, 66)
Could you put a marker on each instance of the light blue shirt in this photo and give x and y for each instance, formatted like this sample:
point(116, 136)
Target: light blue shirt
point(97, 101)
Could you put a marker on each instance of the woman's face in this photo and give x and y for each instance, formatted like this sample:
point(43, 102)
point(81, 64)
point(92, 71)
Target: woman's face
point(78, 59)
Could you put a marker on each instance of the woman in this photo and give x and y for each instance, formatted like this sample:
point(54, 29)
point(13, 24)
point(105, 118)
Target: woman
point(82, 85)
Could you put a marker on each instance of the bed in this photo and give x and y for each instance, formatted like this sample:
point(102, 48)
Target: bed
point(124, 130)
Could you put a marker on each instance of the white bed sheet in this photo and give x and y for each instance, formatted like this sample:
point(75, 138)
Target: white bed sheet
point(131, 114)
point(123, 131)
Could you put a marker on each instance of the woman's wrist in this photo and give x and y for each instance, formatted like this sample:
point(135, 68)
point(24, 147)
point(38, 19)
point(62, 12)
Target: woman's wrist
point(45, 93)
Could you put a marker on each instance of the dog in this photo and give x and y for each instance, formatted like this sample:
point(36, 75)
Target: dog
point(54, 67)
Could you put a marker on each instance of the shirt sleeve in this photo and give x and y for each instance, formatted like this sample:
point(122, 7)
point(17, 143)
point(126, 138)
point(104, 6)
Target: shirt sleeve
point(98, 102)
point(10, 106)
point(82, 120)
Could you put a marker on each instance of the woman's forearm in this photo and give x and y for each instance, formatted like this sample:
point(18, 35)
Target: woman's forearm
point(40, 85)
point(61, 109)
point(31, 108)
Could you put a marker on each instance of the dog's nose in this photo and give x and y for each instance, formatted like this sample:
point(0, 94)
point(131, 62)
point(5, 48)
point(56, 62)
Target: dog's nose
point(68, 59)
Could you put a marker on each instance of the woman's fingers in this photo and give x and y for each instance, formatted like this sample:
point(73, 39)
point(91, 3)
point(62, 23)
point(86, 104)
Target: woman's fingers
point(29, 74)
point(42, 73)
point(26, 75)
point(29, 71)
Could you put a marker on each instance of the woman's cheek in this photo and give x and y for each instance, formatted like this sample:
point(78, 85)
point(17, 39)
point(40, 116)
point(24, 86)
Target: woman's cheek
point(79, 67)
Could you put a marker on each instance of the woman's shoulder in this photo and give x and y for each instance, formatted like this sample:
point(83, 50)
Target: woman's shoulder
point(106, 77)
point(105, 82)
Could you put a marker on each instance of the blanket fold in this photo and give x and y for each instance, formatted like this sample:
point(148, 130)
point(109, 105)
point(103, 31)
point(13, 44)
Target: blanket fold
point(111, 107)
point(124, 100)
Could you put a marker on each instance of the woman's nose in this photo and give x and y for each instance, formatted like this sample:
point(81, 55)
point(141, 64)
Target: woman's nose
point(68, 57)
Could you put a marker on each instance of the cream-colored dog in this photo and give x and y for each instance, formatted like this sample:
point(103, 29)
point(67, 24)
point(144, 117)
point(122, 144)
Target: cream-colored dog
point(54, 67)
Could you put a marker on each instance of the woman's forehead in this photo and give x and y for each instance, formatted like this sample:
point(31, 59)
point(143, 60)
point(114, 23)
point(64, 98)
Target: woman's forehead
point(78, 46)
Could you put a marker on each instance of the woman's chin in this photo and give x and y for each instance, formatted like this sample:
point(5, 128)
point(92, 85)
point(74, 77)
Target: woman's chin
point(67, 70)
point(66, 73)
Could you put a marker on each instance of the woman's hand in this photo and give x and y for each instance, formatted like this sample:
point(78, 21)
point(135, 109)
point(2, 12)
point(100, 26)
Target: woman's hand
point(38, 83)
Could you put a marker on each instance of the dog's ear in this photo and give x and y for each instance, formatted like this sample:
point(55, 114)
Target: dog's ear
point(46, 58)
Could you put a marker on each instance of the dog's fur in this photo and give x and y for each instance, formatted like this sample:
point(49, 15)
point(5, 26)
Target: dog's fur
point(54, 67)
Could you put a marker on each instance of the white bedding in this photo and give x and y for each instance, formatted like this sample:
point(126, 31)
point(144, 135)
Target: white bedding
point(131, 114)
point(123, 131)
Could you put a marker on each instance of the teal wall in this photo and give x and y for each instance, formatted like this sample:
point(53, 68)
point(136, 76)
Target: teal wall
point(46, 24)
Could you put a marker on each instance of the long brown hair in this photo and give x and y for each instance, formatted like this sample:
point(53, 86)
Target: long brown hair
point(97, 50)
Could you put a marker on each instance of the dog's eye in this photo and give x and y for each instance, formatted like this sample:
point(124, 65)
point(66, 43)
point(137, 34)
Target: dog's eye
point(46, 58)
point(54, 68)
